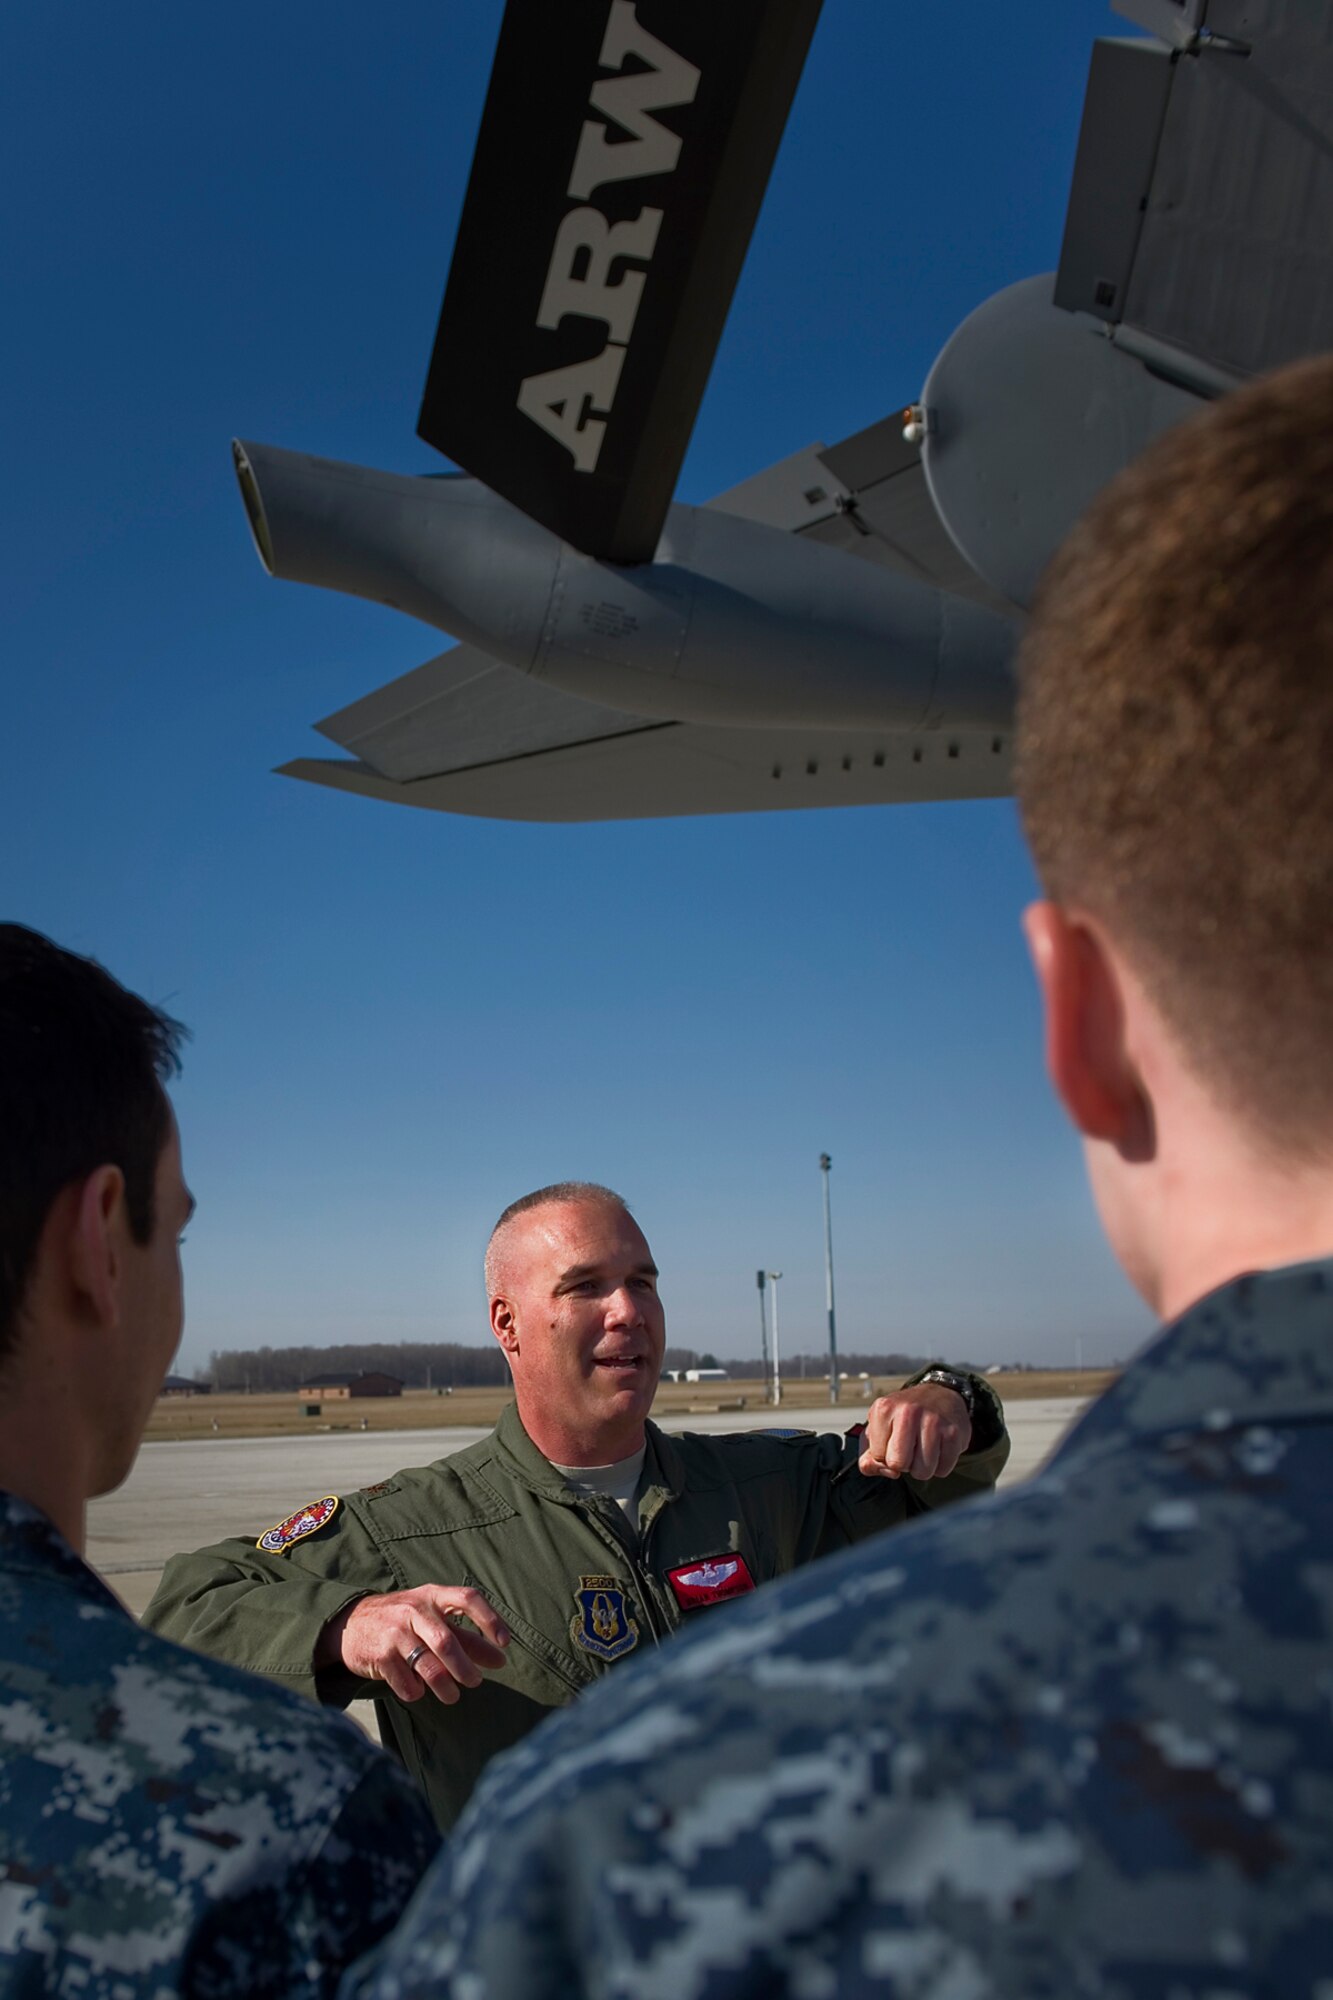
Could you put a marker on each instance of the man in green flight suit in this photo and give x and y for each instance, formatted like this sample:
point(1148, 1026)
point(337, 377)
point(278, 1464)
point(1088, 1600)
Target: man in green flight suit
point(514, 1574)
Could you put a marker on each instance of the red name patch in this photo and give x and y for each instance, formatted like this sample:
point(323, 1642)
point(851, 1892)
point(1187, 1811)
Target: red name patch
point(711, 1580)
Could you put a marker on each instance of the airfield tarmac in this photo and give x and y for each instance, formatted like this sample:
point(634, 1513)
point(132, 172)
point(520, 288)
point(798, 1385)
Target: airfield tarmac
point(182, 1495)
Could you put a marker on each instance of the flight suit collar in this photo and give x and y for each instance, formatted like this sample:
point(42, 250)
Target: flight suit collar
point(523, 1460)
point(663, 1478)
point(663, 1466)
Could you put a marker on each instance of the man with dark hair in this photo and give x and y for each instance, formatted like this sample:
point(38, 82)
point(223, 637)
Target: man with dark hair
point(593, 1533)
point(166, 1825)
point(1080, 1741)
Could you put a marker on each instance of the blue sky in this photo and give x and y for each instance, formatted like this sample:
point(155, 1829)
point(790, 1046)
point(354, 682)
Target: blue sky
point(238, 221)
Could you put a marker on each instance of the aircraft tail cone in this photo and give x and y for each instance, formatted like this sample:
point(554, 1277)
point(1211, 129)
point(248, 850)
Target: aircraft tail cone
point(732, 623)
point(442, 549)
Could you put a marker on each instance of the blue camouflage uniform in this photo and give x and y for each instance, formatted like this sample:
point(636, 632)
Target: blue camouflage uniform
point(1078, 1741)
point(170, 1826)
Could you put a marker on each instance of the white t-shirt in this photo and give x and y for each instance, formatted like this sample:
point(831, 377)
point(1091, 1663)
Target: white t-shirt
point(619, 1482)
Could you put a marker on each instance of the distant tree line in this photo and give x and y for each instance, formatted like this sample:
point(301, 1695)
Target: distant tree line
point(442, 1364)
point(449, 1364)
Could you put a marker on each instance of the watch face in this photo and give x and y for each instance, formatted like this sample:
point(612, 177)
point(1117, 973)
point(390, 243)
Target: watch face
point(958, 1383)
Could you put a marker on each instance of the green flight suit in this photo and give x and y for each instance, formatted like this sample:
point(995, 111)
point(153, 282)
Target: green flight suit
point(557, 1564)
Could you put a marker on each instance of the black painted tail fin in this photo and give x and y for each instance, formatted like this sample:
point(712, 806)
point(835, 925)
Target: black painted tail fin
point(623, 155)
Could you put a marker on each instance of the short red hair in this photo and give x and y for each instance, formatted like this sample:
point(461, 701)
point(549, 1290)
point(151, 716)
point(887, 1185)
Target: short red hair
point(1174, 749)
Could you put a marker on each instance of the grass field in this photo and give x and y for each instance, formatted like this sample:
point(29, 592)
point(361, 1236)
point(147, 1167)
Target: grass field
point(286, 1415)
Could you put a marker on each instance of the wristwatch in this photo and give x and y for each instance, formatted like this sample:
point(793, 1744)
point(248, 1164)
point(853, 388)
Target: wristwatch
point(981, 1406)
point(962, 1385)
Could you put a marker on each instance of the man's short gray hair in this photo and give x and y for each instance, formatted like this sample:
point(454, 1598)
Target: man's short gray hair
point(558, 1194)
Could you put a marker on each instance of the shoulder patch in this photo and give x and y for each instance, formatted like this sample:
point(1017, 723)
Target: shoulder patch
point(380, 1486)
point(305, 1521)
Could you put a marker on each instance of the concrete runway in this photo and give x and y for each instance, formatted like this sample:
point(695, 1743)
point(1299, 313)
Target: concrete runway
point(180, 1496)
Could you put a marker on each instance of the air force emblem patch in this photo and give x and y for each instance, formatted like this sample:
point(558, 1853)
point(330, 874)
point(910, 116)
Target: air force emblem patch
point(601, 1624)
point(305, 1521)
point(710, 1581)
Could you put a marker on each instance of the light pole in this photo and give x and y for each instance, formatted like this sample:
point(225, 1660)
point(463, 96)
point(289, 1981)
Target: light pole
point(760, 1277)
point(825, 1163)
point(773, 1277)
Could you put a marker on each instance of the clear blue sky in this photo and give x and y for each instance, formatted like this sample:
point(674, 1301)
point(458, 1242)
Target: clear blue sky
point(238, 220)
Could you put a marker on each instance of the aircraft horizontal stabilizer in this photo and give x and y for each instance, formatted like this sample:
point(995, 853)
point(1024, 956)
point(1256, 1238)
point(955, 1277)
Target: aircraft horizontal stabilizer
point(671, 769)
point(463, 709)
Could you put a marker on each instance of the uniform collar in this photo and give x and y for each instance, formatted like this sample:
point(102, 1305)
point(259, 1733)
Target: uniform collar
point(30, 1541)
point(662, 1467)
point(533, 1467)
point(1258, 1350)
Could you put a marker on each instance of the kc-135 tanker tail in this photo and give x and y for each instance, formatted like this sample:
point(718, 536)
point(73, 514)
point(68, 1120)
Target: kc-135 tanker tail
point(839, 628)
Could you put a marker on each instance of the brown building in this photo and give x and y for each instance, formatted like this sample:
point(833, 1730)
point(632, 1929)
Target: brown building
point(180, 1385)
point(367, 1383)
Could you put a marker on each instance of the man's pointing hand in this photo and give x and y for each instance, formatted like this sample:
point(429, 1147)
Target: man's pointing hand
point(415, 1641)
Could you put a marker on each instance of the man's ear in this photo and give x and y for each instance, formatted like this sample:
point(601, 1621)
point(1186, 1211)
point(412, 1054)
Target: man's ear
point(96, 1243)
point(503, 1325)
point(1087, 1055)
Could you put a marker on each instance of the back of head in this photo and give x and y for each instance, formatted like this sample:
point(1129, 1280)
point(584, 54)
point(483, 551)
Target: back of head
point(1175, 740)
point(82, 1064)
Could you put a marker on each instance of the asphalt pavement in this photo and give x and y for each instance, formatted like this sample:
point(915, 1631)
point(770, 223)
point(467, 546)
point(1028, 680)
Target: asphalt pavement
point(181, 1496)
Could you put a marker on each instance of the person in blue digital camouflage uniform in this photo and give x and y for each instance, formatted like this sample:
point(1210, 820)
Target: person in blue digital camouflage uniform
point(167, 1826)
point(1079, 1741)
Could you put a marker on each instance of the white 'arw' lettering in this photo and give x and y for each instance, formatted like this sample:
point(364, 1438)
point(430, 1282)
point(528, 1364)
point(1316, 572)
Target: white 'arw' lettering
point(587, 244)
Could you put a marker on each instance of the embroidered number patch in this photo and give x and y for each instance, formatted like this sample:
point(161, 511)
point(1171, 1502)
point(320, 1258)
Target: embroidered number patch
point(711, 1580)
point(602, 1625)
point(305, 1521)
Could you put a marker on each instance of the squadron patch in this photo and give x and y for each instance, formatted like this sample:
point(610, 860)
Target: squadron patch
point(305, 1521)
point(602, 1625)
point(711, 1580)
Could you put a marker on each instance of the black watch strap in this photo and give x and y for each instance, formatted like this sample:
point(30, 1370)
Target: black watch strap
point(962, 1385)
point(983, 1407)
